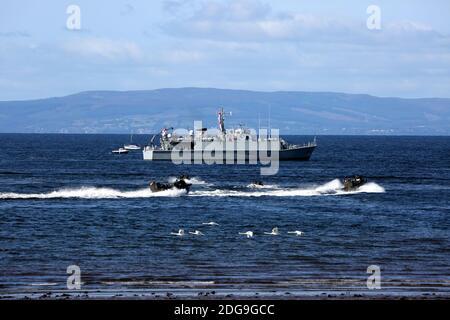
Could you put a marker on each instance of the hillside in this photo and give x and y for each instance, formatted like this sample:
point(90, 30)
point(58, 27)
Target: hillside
point(291, 112)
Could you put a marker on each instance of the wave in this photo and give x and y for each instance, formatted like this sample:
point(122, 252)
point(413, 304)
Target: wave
point(266, 186)
point(43, 284)
point(333, 187)
point(94, 193)
point(9, 172)
point(193, 180)
point(157, 282)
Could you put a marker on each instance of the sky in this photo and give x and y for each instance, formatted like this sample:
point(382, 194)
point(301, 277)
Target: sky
point(292, 45)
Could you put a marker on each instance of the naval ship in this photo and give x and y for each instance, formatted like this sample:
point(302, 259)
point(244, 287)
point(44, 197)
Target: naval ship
point(240, 144)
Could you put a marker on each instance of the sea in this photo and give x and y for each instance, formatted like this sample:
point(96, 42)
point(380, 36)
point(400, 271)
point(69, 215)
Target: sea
point(66, 201)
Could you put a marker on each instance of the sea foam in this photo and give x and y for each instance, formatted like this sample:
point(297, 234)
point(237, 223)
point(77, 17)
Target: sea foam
point(94, 193)
point(333, 187)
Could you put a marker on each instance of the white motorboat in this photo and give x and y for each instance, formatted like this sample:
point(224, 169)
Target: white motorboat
point(120, 151)
point(131, 147)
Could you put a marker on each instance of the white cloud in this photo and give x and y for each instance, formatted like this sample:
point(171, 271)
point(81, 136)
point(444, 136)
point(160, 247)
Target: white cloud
point(410, 26)
point(235, 10)
point(15, 34)
point(252, 20)
point(182, 56)
point(127, 10)
point(104, 48)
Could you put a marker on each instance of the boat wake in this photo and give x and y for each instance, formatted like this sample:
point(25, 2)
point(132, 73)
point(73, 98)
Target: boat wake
point(94, 193)
point(333, 187)
point(193, 180)
point(265, 186)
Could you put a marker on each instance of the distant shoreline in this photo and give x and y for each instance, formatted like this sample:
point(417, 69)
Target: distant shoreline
point(289, 111)
point(284, 135)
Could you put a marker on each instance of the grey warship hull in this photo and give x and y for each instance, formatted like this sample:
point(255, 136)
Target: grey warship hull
point(239, 145)
point(295, 154)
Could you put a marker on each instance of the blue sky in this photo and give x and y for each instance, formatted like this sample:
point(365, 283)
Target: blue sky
point(239, 44)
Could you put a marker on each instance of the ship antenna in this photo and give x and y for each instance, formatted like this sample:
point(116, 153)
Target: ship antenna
point(259, 123)
point(221, 117)
point(221, 121)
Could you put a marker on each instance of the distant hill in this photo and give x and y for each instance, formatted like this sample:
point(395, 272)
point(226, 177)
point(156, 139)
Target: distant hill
point(291, 112)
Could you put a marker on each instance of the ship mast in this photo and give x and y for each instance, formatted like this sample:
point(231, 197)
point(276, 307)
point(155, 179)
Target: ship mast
point(220, 119)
